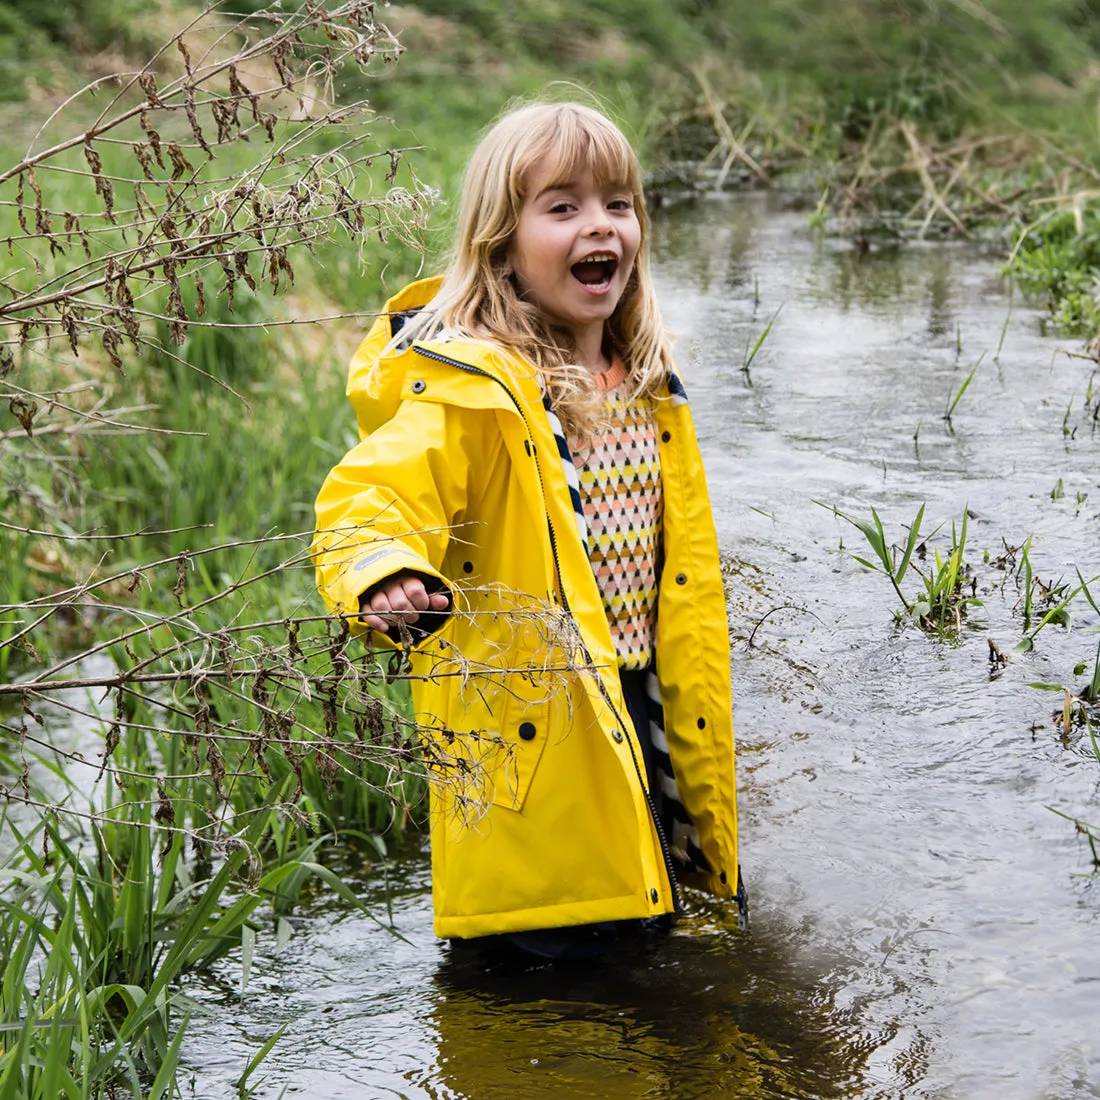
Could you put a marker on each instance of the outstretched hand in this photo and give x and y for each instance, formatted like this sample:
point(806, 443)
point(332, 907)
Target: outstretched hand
point(400, 597)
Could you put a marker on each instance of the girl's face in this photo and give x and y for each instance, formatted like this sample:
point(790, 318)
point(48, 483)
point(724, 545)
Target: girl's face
point(573, 251)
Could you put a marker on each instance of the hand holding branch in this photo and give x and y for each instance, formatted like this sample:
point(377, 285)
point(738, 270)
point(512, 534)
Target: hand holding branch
point(402, 596)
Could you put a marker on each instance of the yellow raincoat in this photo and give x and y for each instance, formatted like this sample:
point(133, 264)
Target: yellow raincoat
point(540, 816)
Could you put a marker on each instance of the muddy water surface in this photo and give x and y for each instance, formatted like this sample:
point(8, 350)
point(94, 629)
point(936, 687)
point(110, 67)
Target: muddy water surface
point(924, 925)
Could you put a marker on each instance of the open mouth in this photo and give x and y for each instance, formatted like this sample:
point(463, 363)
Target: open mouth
point(596, 272)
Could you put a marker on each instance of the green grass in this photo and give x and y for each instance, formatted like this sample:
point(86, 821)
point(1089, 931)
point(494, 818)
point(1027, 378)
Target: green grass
point(1057, 262)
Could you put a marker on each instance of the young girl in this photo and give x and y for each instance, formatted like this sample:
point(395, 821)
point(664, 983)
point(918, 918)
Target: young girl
point(528, 504)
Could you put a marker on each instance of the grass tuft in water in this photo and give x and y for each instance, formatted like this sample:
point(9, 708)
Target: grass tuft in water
point(954, 399)
point(947, 589)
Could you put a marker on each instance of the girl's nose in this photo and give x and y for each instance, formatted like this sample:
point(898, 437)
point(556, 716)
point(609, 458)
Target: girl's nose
point(599, 224)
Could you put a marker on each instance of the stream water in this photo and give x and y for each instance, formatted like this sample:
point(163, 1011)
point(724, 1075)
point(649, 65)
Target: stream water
point(924, 924)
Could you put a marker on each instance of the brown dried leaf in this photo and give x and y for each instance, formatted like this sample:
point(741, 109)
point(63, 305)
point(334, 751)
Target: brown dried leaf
point(165, 813)
point(180, 163)
point(294, 650)
point(240, 259)
point(148, 84)
point(216, 763)
point(24, 412)
point(238, 88)
point(43, 224)
point(328, 712)
point(19, 206)
point(180, 587)
point(141, 151)
point(193, 119)
point(104, 187)
point(182, 47)
point(327, 769)
point(223, 119)
point(225, 652)
point(111, 344)
point(110, 743)
point(72, 330)
point(154, 138)
point(177, 312)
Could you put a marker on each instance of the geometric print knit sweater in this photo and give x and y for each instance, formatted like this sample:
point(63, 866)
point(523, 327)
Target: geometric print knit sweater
point(620, 489)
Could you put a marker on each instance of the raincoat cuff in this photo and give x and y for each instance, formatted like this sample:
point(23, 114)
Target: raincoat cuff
point(376, 563)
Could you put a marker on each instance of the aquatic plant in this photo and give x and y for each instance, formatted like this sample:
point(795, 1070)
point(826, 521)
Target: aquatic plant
point(954, 399)
point(1057, 596)
point(751, 353)
point(946, 592)
point(1080, 706)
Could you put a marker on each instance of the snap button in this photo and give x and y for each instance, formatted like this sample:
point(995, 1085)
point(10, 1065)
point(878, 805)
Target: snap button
point(618, 736)
point(666, 436)
point(419, 386)
point(701, 723)
point(527, 731)
point(722, 878)
point(654, 896)
point(467, 567)
point(681, 578)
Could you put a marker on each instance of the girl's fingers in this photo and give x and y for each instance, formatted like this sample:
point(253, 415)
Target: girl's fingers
point(400, 603)
point(412, 588)
point(401, 598)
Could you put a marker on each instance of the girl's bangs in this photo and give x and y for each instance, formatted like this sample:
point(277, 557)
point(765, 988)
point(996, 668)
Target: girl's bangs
point(574, 144)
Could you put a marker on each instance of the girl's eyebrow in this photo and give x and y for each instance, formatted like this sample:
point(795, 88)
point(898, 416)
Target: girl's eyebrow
point(570, 185)
point(567, 185)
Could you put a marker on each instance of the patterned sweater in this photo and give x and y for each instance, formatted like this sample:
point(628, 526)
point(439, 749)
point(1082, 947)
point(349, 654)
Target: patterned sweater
point(620, 488)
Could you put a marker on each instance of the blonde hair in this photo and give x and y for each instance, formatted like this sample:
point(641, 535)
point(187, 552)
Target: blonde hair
point(480, 299)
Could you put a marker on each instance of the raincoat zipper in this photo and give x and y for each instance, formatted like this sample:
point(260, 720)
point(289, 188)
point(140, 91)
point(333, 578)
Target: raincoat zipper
point(666, 854)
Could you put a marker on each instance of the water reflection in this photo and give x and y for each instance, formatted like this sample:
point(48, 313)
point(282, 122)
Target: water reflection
point(694, 1015)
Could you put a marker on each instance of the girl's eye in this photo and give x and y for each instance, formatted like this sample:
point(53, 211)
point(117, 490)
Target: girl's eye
point(560, 208)
point(620, 204)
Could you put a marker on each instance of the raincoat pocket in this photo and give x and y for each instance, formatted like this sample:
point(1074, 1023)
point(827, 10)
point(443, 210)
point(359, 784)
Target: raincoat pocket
point(494, 740)
point(524, 730)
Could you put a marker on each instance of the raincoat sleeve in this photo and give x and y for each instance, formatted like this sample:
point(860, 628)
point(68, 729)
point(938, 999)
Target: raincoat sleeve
point(390, 505)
